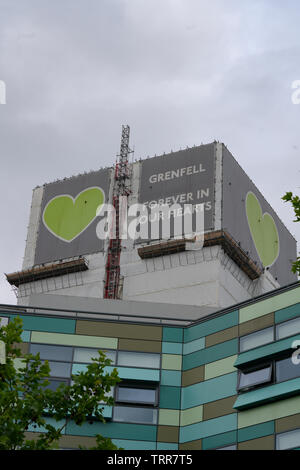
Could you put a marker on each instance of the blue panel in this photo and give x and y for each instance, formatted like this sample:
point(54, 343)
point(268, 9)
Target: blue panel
point(221, 440)
point(172, 348)
point(134, 445)
point(208, 428)
point(257, 431)
point(169, 397)
point(25, 336)
point(193, 346)
point(210, 390)
point(211, 326)
point(171, 377)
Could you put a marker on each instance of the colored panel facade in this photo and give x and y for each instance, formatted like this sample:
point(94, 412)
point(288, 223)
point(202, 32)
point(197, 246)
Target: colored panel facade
point(208, 394)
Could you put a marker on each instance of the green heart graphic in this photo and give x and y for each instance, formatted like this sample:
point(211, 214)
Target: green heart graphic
point(263, 231)
point(67, 217)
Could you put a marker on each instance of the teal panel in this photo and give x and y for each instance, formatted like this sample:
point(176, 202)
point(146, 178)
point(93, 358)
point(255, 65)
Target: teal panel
point(25, 336)
point(51, 421)
point(169, 397)
point(266, 351)
point(172, 348)
point(170, 377)
point(107, 411)
point(193, 346)
point(134, 445)
point(254, 432)
point(212, 326)
point(114, 430)
point(287, 313)
point(208, 428)
point(57, 325)
point(210, 390)
point(221, 440)
point(212, 354)
point(133, 373)
point(268, 394)
point(173, 335)
point(167, 446)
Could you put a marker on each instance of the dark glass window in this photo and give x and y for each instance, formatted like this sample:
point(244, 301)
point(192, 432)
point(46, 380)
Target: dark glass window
point(131, 414)
point(136, 395)
point(58, 353)
point(54, 384)
point(286, 369)
point(60, 369)
point(255, 377)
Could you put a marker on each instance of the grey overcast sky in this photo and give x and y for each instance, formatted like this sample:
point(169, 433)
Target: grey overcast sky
point(179, 72)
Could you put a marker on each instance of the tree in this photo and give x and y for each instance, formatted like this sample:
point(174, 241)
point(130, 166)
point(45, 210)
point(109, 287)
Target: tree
point(295, 201)
point(25, 399)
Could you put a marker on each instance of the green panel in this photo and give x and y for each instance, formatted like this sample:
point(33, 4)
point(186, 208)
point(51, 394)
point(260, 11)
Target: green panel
point(261, 414)
point(218, 368)
point(254, 432)
point(172, 348)
point(167, 446)
point(272, 304)
point(266, 351)
point(173, 335)
point(212, 326)
point(268, 394)
point(193, 346)
point(287, 313)
point(208, 428)
point(171, 361)
point(220, 440)
point(168, 417)
point(171, 377)
point(212, 354)
point(37, 323)
point(169, 397)
point(210, 390)
point(107, 411)
point(134, 445)
point(134, 373)
point(114, 430)
point(74, 340)
point(191, 416)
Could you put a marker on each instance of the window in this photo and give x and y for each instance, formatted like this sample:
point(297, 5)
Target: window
point(132, 414)
point(288, 440)
point(60, 369)
point(288, 328)
point(134, 394)
point(136, 359)
point(4, 321)
point(286, 370)
point(255, 377)
point(85, 355)
point(256, 339)
point(54, 384)
point(60, 353)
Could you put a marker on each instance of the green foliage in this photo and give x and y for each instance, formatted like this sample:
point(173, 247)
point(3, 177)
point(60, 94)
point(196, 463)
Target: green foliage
point(295, 201)
point(26, 401)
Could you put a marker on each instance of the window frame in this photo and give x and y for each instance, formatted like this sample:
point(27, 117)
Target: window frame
point(253, 333)
point(143, 386)
point(255, 368)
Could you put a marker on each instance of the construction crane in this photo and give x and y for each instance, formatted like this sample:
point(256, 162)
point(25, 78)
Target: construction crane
point(121, 191)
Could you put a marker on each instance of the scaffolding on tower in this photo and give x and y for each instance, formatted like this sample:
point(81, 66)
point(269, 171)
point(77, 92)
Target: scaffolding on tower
point(121, 192)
